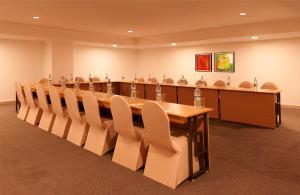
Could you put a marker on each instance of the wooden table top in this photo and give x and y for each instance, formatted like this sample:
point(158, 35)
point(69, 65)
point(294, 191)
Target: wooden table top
point(178, 113)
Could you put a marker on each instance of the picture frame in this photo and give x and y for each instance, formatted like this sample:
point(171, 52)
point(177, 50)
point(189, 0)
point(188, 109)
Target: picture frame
point(224, 62)
point(203, 62)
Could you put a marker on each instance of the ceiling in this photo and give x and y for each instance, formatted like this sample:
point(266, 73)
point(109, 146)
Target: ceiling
point(145, 18)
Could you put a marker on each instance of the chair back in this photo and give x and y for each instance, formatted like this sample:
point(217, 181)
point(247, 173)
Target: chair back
point(140, 80)
point(80, 79)
point(72, 104)
point(95, 79)
point(246, 84)
point(43, 80)
point(157, 126)
point(182, 81)
point(269, 85)
point(28, 95)
point(55, 101)
point(220, 83)
point(169, 81)
point(199, 83)
point(20, 92)
point(122, 117)
point(91, 109)
point(43, 104)
point(153, 80)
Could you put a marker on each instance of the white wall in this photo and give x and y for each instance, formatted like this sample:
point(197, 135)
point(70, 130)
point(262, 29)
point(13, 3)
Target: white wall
point(101, 60)
point(273, 60)
point(19, 61)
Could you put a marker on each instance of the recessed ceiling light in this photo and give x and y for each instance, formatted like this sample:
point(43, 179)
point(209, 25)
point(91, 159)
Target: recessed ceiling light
point(243, 14)
point(173, 44)
point(254, 37)
point(36, 17)
point(114, 45)
point(130, 31)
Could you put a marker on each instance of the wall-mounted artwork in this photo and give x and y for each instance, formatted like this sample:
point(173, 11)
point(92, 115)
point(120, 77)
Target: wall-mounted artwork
point(203, 62)
point(224, 62)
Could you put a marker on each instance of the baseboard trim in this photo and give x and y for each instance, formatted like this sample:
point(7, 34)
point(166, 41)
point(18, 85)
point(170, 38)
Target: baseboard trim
point(7, 102)
point(290, 106)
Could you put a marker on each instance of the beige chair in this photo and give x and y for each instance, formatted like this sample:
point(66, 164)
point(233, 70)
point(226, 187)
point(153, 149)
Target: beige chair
point(61, 122)
point(35, 113)
point(269, 85)
point(47, 118)
point(80, 79)
point(169, 81)
point(131, 148)
point(78, 129)
point(95, 79)
point(140, 80)
point(182, 81)
point(101, 136)
point(199, 83)
point(246, 85)
point(167, 160)
point(220, 83)
point(43, 81)
point(153, 80)
point(24, 107)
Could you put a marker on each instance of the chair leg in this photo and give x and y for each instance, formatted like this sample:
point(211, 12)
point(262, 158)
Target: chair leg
point(46, 121)
point(23, 111)
point(77, 133)
point(34, 115)
point(61, 126)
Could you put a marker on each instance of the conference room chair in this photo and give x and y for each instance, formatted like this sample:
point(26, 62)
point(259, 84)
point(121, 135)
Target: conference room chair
point(24, 107)
point(80, 79)
point(43, 81)
point(61, 122)
point(167, 160)
point(198, 83)
point(140, 80)
point(246, 85)
point(78, 129)
point(131, 148)
point(153, 80)
point(34, 113)
point(220, 83)
point(182, 82)
point(169, 81)
point(269, 85)
point(101, 136)
point(95, 79)
point(47, 118)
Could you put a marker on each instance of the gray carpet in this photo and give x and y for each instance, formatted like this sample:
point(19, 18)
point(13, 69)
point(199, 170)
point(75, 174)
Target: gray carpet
point(244, 160)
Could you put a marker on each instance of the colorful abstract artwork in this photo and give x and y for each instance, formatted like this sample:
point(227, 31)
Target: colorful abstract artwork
point(224, 62)
point(203, 62)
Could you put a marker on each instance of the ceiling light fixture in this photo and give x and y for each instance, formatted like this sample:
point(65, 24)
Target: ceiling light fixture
point(254, 37)
point(130, 31)
point(36, 17)
point(243, 14)
point(173, 44)
point(114, 45)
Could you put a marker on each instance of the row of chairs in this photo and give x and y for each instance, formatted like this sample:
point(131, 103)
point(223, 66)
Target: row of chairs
point(153, 80)
point(164, 155)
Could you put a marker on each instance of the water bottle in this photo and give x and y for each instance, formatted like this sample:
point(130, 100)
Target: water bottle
point(123, 76)
point(106, 77)
point(109, 88)
point(149, 78)
point(90, 77)
point(228, 82)
point(197, 97)
point(76, 84)
point(133, 90)
point(202, 81)
point(181, 80)
point(135, 77)
point(71, 78)
point(91, 86)
point(255, 83)
point(158, 92)
point(49, 80)
point(164, 79)
point(62, 82)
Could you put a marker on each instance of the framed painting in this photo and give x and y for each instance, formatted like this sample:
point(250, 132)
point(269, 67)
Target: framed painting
point(203, 62)
point(224, 62)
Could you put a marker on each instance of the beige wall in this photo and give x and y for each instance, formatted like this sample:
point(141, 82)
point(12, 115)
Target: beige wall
point(19, 61)
point(101, 60)
point(273, 60)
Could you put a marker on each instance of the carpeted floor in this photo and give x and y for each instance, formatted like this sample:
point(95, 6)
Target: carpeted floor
point(244, 160)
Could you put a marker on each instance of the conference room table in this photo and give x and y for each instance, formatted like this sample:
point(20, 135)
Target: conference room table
point(260, 107)
point(197, 132)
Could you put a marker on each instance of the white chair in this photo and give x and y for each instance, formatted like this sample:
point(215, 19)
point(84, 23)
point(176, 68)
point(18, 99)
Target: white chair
point(169, 81)
point(35, 113)
point(167, 160)
point(24, 107)
point(246, 85)
point(47, 118)
point(220, 83)
point(140, 80)
point(101, 136)
point(61, 122)
point(78, 129)
point(131, 149)
point(270, 86)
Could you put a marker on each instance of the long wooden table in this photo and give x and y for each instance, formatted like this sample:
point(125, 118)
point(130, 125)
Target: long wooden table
point(248, 106)
point(177, 113)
